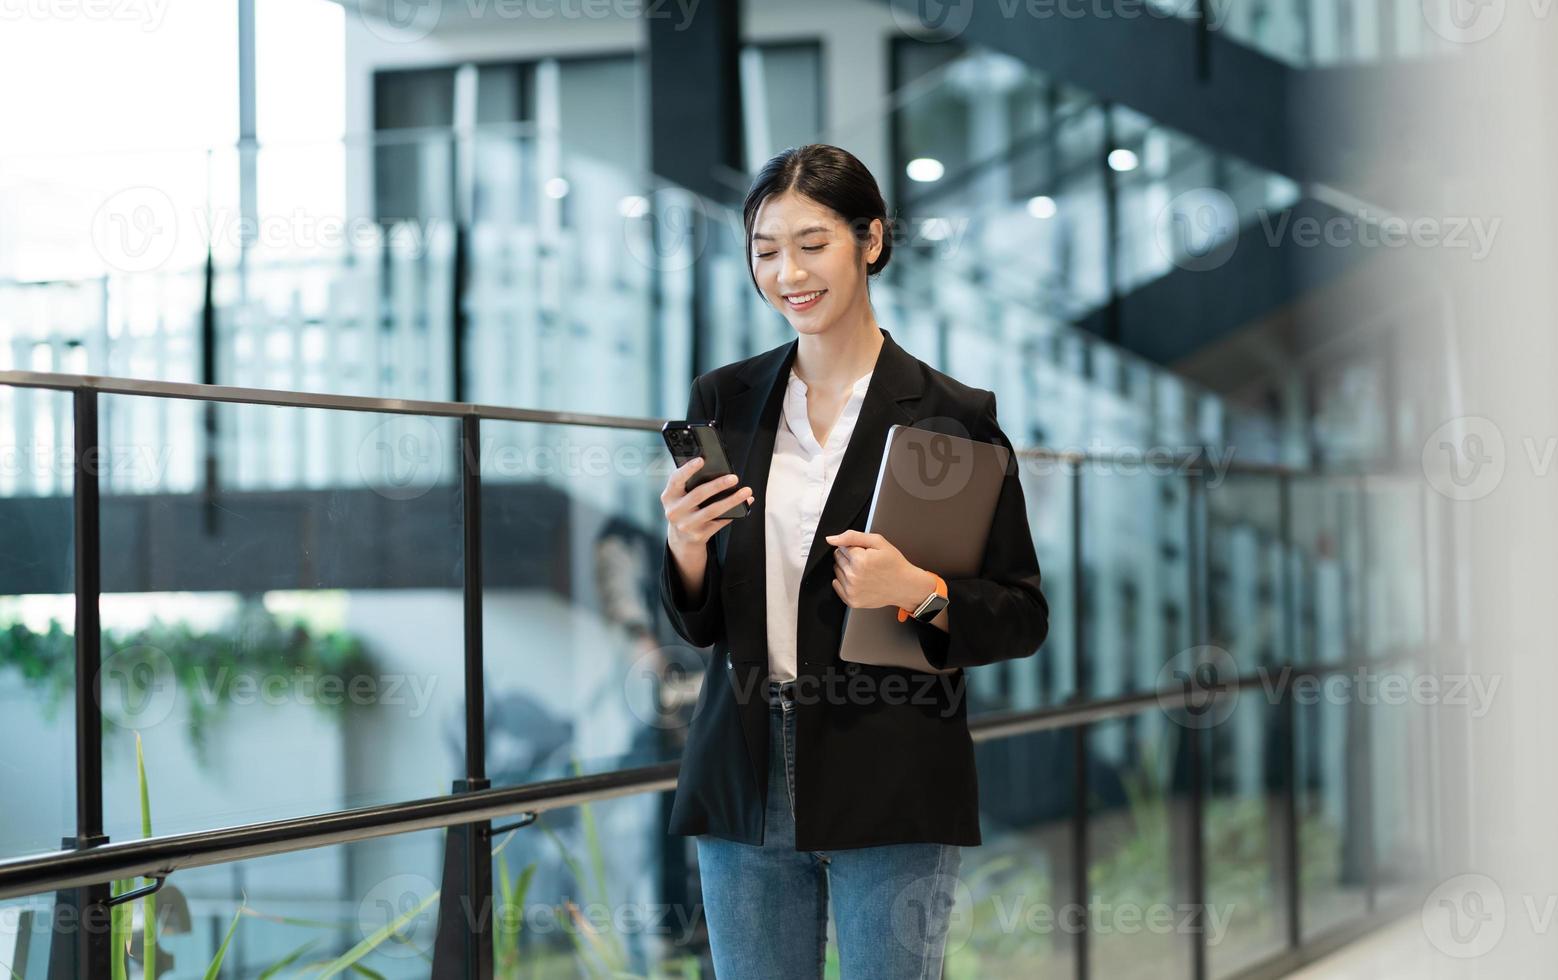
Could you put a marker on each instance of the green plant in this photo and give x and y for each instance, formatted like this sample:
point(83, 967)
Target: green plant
point(121, 920)
point(204, 665)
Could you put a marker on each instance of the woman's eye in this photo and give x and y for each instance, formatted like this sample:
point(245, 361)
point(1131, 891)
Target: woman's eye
point(764, 255)
point(812, 248)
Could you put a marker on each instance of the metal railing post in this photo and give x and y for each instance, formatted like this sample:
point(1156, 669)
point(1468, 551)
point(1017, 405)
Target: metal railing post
point(80, 943)
point(462, 949)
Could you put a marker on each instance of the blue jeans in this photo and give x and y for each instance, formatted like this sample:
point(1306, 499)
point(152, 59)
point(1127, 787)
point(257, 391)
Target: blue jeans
point(767, 907)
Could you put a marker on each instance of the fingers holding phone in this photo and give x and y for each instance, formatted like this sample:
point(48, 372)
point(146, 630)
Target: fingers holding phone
point(691, 515)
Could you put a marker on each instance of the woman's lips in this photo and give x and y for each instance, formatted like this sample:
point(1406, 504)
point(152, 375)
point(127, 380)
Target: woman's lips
point(816, 297)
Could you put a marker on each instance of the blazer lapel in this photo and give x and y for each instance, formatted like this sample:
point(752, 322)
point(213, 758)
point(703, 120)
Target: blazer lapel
point(895, 380)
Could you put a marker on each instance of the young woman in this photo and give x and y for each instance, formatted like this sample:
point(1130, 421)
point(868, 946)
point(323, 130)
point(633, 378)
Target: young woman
point(805, 776)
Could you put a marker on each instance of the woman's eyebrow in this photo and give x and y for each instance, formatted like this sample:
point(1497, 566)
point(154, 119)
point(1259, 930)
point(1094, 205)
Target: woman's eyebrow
point(760, 237)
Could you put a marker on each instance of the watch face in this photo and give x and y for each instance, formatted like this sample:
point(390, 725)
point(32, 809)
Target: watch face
point(934, 606)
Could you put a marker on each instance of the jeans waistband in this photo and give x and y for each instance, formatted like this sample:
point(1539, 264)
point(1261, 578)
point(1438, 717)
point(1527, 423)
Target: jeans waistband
point(781, 693)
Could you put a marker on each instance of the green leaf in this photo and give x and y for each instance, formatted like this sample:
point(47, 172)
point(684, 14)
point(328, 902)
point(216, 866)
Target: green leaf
point(118, 932)
point(215, 969)
point(149, 903)
point(346, 960)
point(359, 968)
point(288, 960)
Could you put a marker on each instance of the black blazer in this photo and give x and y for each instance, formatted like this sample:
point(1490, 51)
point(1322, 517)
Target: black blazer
point(891, 761)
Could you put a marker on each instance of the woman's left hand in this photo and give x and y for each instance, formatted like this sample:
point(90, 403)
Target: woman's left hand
point(869, 572)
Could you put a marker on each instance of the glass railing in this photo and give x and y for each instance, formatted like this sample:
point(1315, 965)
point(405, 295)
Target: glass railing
point(1322, 33)
point(289, 648)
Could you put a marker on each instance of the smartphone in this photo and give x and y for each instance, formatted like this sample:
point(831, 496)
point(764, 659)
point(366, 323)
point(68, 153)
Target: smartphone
point(687, 439)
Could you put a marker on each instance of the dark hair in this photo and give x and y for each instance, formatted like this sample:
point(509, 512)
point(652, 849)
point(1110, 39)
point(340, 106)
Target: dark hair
point(834, 178)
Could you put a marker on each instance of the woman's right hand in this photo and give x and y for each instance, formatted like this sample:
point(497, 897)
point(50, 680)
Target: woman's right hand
point(690, 520)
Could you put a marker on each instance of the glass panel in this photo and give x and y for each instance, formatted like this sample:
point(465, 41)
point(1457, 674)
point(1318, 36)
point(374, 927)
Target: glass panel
point(1048, 677)
point(299, 912)
point(1396, 566)
point(1332, 762)
point(582, 667)
point(1400, 779)
point(1137, 584)
point(1244, 570)
point(1325, 569)
point(25, 936)
point(288, 642)
point(37, 620)
point(1017, 912)
point(1138, 798)
point(600, 890)
point(1244, 834)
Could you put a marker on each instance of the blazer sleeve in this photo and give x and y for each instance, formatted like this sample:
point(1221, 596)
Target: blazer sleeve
point(703, 623)
point(1001, 614)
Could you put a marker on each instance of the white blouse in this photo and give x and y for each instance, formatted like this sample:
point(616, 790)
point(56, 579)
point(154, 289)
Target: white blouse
point(799, 478)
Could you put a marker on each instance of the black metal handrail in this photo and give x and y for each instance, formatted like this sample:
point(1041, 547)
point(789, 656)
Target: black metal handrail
point(283, 398)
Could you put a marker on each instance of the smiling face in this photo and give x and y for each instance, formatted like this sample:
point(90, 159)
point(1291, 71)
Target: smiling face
point(808, 263)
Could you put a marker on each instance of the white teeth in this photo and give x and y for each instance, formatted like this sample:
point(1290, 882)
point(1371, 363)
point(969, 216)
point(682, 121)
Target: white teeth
point(803, 300)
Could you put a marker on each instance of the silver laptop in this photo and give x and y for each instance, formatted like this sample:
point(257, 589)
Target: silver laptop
point(934, 500)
